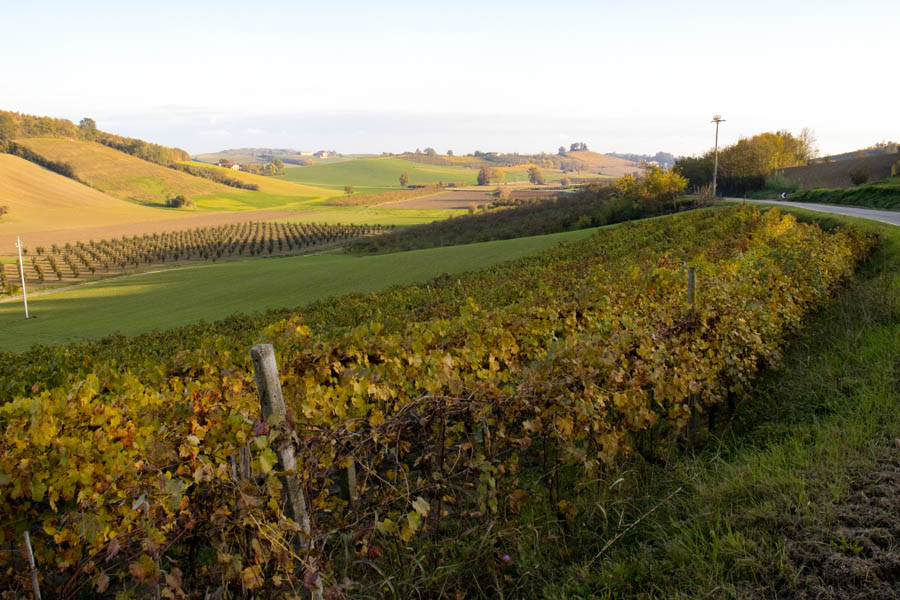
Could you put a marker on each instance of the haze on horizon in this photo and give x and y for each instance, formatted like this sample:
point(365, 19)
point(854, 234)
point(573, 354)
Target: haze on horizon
point(364, 77)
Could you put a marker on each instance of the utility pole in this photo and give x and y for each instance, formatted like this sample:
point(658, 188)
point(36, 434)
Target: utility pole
point(22, 275)
point(716, 119)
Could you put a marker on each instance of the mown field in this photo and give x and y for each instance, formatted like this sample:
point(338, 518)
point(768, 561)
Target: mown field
point(384, 173)
point(179, 296)
point(498, 451)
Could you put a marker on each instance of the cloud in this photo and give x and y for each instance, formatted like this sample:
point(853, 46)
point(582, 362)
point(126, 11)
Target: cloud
point(255, 130)
point(215, 132)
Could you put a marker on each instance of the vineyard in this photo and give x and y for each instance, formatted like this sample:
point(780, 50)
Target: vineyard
point(420, 414)
point(72, 261)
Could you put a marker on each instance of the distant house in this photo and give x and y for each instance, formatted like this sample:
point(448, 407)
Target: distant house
point(235, 167)
point(305, 153)
point(324, 154)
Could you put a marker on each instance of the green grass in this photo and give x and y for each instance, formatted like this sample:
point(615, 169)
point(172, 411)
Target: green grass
point(376, 172)
point(174, 297)
point(884, 194)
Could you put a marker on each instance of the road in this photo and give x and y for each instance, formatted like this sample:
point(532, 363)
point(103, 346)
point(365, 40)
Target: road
point(885, 216)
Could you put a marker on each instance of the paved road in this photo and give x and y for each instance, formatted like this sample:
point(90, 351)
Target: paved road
point(885, 216)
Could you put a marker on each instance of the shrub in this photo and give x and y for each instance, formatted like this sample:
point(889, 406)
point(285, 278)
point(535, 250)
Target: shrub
point(177, 202)
point(859, 175)
point(895, 170)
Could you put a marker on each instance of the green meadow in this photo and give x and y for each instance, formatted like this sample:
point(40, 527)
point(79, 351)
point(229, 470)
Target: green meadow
point(377, 173)
point(178, 296)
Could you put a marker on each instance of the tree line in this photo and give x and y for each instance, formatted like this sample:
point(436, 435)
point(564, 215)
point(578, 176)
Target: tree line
point(18, 125)
point(744, 166)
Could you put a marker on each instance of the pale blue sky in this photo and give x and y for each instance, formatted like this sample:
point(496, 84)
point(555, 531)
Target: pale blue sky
point(524, 76)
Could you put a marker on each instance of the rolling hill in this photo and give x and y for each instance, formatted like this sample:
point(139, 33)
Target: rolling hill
point(605, 164)
point(40, 200)
point(122, 175)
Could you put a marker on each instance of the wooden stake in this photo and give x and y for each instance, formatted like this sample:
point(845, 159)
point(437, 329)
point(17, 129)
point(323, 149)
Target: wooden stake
point(692, 285)
point(348, 484)
point(34, 573)
point(271, 400)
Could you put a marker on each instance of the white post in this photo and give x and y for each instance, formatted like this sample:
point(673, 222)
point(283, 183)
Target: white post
point(22, 275)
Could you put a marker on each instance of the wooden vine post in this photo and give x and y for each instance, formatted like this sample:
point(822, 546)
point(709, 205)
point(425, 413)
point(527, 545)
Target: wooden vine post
point(692, 285)
point(271, 401)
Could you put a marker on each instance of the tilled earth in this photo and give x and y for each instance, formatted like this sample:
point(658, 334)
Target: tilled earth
point(858, 555)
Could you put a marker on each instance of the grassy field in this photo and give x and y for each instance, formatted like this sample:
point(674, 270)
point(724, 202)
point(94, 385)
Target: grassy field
point(175, 297)
point(377, 173)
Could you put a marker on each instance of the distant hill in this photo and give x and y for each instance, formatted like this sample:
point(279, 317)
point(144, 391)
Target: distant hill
point(604, 164)
point(874, 150)
point(260, 156)
point(663, 159)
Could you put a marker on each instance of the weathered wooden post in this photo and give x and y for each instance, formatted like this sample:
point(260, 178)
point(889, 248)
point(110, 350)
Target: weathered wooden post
point(34, 574)
point(271, 400)
point(692, 284)
point(348, 484)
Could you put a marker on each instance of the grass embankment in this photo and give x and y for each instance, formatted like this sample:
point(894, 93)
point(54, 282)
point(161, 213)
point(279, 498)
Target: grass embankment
point(884, 194)
point(795, 497)
point(174, 297)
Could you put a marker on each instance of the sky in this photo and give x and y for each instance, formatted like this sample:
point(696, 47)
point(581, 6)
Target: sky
point(371, 77)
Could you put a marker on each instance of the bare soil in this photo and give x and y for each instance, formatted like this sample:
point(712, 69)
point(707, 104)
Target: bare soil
point(857, 556)
point(61, 236)
point(463, 199)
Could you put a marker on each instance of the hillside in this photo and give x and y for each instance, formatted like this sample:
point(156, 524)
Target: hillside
point(836, 174)
point(120, 174)
point(604, 164)
point(272, 185)
point(40, 200)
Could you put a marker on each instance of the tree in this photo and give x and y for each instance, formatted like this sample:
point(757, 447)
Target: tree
point(499, 175)
point(176, 202)
point(349, 190)
point(535, 176)
point(859, 175)
point(484, 175)
point(404, 179)
point(430, 152)
point(578, 146)
point(561, 151)
point(7, 127)
point(449, 152)
point(895, 170)
point(88, 128)
point(3, 210)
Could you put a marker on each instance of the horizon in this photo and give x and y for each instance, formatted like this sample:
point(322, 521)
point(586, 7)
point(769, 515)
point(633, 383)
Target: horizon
point(361, 79)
